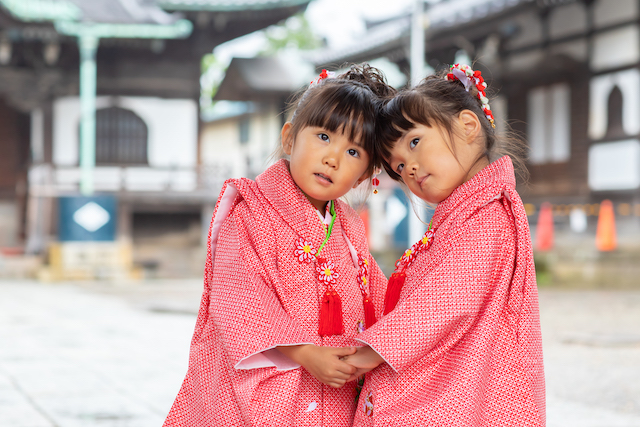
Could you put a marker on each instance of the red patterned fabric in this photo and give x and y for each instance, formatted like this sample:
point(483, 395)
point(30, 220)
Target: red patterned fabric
point(463, 345)
point(259, 295)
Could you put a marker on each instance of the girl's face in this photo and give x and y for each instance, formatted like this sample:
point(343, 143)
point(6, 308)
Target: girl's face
point(324, 164)
point(427, 164)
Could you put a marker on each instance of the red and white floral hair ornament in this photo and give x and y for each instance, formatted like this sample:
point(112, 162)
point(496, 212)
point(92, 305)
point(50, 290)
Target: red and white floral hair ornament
point(323, 75)
point(468, 77)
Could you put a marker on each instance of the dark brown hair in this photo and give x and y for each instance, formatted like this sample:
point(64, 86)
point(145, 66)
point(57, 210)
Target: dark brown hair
point(349, 103)
point(436, 101)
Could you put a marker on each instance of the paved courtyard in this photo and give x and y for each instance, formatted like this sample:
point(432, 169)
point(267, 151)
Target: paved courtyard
point(98, 354)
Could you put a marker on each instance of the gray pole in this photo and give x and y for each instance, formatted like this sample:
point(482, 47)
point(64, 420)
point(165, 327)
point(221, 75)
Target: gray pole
point(417, 42)
point(416, 226)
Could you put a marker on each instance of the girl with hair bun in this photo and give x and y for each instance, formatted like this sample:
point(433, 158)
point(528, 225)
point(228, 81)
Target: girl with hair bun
point(289, 279)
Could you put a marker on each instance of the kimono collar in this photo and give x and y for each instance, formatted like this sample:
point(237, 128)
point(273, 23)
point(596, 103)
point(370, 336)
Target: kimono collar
point(289, 201)
point(479, 190)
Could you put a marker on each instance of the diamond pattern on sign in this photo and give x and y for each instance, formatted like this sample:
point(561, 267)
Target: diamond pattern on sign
point(91, 217)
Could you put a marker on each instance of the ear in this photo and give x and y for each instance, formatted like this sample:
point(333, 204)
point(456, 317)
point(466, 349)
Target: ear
point(469, 124)
point(286, 138)
point(363, 178)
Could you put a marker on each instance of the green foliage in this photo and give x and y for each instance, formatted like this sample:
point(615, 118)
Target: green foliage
point(294, 33)
point(212, 74)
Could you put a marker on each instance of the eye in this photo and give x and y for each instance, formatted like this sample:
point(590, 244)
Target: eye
point(353, 152)
point(414, 142)
point(324, 137)
point(399, 168)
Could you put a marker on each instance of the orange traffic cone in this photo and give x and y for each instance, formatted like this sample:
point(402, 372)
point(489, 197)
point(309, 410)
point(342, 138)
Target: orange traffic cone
point(544, 234)
point(606, 232)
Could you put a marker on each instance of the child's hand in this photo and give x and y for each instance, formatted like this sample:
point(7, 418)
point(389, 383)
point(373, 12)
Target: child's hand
point(324, 363)
point(364, 360)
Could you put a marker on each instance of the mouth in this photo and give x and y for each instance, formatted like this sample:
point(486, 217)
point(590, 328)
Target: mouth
point(324, 177)
point(421, 180)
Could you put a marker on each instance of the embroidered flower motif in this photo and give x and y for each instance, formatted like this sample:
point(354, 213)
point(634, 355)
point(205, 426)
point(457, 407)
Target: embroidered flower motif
point(305, 252)
point(408, 256)
point(360, 327)
point(425, 242)
point(363, 266)
point(362, 261)
point(325, 272)
point(368, 405)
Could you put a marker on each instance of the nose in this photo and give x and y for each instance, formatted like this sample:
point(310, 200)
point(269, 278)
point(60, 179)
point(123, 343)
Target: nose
point(412, 168)
point(331, 159)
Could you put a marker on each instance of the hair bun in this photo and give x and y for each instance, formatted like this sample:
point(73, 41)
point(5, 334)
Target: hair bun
point(371, 77)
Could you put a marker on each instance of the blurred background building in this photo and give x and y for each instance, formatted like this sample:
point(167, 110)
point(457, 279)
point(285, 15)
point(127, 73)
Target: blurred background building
point(566, 76)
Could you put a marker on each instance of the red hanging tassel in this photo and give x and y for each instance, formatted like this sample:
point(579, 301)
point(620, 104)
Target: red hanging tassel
point(330, 314)
point(369, 313)
point(324, 328)
point(336, 315)
point(396, 282)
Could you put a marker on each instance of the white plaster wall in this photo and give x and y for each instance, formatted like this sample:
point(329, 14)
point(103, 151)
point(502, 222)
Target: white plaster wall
point(220, 144)
point(567, 20)
point(66, 119)
point(601, 86)
point(615, 165)
point(264, 137)
point(172, 125)
point(616, 48)
point(610, 12)
point(173, 129)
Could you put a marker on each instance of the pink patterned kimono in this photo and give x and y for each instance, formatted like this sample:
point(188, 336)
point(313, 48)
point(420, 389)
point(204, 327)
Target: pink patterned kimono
point(463, 345)
point(258, 295)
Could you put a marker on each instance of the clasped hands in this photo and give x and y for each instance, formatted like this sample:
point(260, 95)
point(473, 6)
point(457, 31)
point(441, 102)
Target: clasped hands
point(333, 366)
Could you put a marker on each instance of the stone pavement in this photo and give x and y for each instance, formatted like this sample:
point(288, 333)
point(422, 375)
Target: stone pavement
point(98, 354)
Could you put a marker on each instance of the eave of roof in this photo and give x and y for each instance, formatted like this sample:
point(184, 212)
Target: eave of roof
point(41, 10)
point(228, 5)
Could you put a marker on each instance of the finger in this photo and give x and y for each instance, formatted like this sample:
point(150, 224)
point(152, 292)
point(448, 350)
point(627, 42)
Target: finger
point(336, 384)
point(341, 374)
point(345, 369)
point(344, 351)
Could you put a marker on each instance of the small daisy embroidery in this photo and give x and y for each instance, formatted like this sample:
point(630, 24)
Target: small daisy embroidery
point(326, 273)
point(305, 252)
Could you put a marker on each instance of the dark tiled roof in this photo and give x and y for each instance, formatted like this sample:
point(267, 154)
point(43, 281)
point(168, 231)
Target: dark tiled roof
point(395, 33)
point(228, 5)
point(261, 78)
point(137, 11)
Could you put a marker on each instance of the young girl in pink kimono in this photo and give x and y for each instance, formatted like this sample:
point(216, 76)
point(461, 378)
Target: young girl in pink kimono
point(460, 343)
point(289, 275)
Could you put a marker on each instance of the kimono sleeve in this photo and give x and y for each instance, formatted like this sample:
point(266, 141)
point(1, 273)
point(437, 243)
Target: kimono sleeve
point(450, 298)
point(244, 306)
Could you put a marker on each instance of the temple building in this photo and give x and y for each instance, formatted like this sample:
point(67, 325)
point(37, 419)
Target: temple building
point(135, 66)
point(568, 76)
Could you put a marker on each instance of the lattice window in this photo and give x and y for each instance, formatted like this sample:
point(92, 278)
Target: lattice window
point(121, 137)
